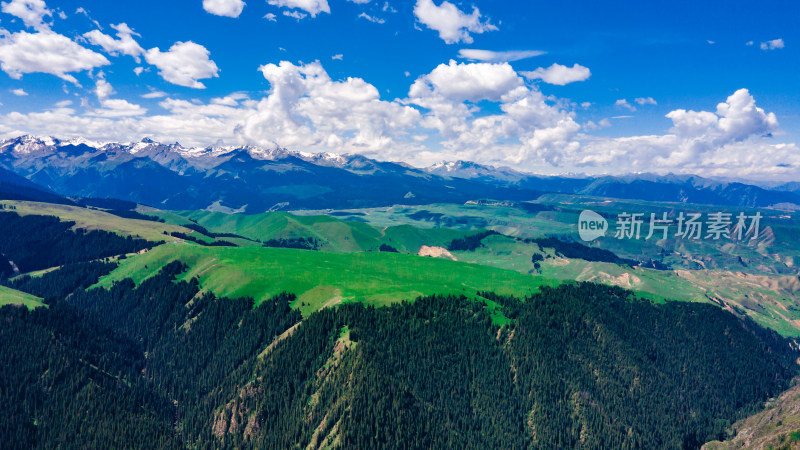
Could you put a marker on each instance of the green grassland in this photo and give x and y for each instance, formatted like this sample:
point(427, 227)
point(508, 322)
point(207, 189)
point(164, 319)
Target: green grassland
point(323, 279)
point(333, 233)
point(776, 252)
point(757, 279)
point(10, 296)
point(93, 219)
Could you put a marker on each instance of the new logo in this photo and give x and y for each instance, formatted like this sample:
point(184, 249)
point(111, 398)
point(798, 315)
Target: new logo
point(591, 225)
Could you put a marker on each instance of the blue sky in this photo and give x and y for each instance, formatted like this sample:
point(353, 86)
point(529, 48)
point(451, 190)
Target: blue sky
point(608, 75)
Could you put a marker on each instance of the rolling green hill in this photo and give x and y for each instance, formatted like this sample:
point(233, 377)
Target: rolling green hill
point(334, 234)
point(93, 219)
point(321, 279)
point(754, 280)
point(9, 296)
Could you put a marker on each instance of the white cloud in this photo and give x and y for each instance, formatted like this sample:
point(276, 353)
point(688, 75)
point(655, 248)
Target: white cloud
point(118, 108)
point(63, 103)
point(732, 141)
point(271, 17)
point(473, 82)
point(183, 64)
point(338, 57)
point(623, 103)
point(305, 108)
point(772, 45)
point(154, 94)
point(360, 2)
point(19, 92)
point(312, 7)
point(527, 127)
point(45, 52)
point(371, 18)
point(138, 70)
point(452, 24)
point(492, 56)
point(112, 107)
point(559, 75)
point(32, 12)
point(735, 120)
point(295, 15)
point(749, 43)
point(102, 89)
point(599, 125)
point(125, 45)
point(226, 8)
point(645, 101)
point(83, 12)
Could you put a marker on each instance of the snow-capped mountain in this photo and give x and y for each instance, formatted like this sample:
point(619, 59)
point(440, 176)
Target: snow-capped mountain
point(471, 170)
point(249, 177)
point(256, 179)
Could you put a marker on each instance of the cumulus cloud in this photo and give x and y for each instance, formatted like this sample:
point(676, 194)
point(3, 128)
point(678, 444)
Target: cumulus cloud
point(225, 8)
point(45, 52)
point(774, 44)
point(599, 125)
point(645, 101)
point(19, 92)
point(731, 141)
point(103, 88)
point(492, 56)
point(312, 7)
point(271, 17)
point(32, 12)
point(295, 15)
point(111, 107)
point(526, 127)
point(452, 24)
point(735, 120)
point(559, 75)
point(184, 64)
point(155, 94)
point(125, 44)
point(473, 82)
point(118, 108)
point(623, 103)
point(372, 19)
point(305, 108)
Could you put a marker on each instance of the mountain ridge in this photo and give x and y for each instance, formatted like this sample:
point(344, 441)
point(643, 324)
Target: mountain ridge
point(255, 179)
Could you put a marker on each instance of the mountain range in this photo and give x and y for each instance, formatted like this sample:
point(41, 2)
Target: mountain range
point(253, 179)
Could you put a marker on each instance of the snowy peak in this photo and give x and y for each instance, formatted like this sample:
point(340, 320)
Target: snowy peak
point(27, 144)
point(471, 170)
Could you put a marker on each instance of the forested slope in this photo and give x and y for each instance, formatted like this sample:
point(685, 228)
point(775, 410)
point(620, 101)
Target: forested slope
point(580, 366)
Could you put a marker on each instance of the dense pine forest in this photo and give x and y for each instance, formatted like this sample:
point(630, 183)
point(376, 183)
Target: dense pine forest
point(581, 366)
point(41, 242)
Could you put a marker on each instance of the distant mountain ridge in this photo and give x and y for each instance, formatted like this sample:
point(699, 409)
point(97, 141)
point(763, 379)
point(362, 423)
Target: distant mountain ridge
point(649, 187)
point(254, 179)
point(247, 178)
